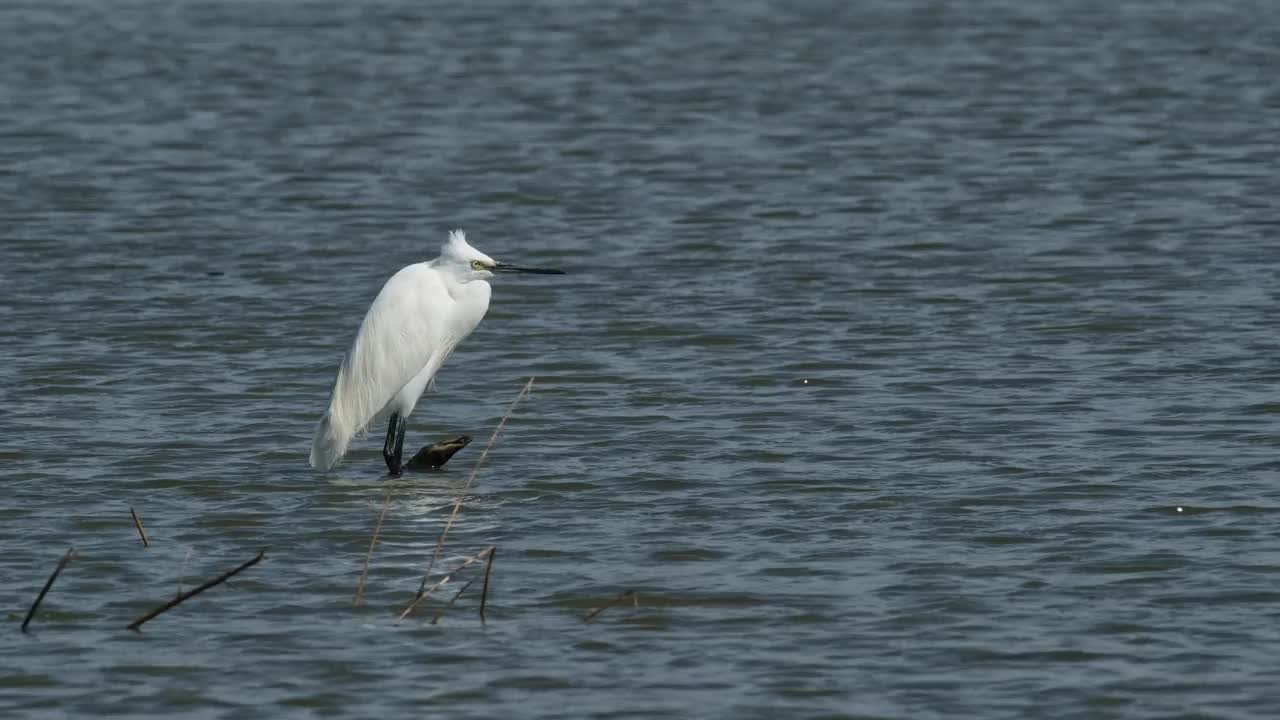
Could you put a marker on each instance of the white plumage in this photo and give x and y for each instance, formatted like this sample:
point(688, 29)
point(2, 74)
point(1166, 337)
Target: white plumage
point(415, 322)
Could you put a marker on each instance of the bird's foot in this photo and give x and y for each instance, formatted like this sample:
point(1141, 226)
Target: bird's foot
point(435, 456)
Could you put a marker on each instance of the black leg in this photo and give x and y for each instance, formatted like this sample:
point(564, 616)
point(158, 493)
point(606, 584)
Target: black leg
point(393, 446)
point(400, 443)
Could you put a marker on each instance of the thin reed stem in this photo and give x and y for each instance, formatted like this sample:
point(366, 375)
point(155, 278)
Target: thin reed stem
point(364, 572)
point(183, 567)
point(471, 478)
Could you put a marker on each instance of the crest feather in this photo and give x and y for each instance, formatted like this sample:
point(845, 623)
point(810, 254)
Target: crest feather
point(456, 246)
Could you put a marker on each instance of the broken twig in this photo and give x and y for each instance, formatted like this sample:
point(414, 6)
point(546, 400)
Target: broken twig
point(68, 557)
point(137, 522)
point(449, 604)
point(136, 624)
point(424, 594)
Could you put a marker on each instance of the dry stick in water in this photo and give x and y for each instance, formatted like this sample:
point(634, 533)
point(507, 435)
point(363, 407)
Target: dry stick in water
point(364, 572)
point(68, 557)
point(458, 505)
point(471, 478)
point(621, 596)
point(137, 522)
point(198, 589)
point(484, 591)
point(449, 576)
point(449, 604)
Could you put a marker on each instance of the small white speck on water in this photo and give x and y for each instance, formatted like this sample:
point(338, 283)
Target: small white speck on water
point(1179, 509)
point(806, 382)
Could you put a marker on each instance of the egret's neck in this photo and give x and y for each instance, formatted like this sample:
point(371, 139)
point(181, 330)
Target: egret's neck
point(473, 302)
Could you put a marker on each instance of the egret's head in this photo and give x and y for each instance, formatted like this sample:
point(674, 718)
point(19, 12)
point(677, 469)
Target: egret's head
point(468, 262)
point(471, 264)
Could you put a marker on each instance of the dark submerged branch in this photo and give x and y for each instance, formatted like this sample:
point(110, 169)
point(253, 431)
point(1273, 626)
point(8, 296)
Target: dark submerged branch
point(136, 624)
point(484, 590)
point(68, 557)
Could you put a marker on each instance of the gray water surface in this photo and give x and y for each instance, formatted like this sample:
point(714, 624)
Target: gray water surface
point(916, 359)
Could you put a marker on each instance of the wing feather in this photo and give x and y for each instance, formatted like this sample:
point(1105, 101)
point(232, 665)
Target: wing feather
point(404, 329)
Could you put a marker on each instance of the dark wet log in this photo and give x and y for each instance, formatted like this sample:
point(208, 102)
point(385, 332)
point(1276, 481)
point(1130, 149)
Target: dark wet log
point(198, 589)
point(435, 456)
point(68, 557)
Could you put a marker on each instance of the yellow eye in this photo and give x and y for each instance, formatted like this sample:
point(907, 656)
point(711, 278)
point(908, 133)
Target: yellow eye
point(477, 264)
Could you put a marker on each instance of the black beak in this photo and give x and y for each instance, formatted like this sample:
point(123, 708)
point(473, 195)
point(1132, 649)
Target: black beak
point(503, 267)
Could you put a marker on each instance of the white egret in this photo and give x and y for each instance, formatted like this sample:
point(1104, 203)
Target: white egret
point(418, 318)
